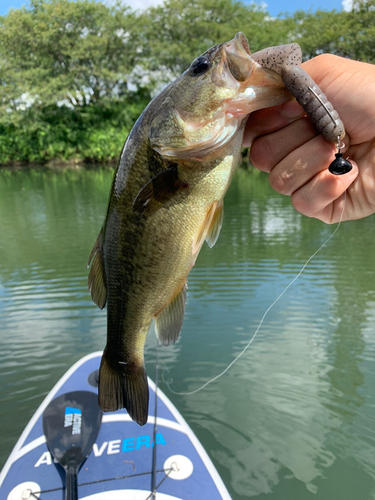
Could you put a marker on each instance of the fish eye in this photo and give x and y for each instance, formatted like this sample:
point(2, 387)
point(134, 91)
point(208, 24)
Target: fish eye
point(199, 66)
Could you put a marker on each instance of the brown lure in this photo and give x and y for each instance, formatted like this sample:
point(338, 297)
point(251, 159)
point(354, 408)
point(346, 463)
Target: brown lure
point(286, 60)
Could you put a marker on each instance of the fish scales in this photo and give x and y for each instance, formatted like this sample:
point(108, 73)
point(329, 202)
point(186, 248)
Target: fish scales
point(152, 255)
point(166, 200)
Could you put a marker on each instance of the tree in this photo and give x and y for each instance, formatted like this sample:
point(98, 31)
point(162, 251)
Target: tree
point(66, 66)
point(177, 31)
point(58, 51)
point(347, 34)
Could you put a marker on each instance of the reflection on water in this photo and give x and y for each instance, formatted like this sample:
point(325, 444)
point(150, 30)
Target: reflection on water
point(294, 418)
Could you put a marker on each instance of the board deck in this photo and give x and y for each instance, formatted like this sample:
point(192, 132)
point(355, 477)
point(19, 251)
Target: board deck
point(121, 459)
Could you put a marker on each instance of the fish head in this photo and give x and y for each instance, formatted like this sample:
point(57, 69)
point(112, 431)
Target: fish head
point(206, 106)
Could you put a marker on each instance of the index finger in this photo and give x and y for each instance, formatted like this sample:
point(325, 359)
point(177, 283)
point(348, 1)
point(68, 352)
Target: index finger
point(268, 120)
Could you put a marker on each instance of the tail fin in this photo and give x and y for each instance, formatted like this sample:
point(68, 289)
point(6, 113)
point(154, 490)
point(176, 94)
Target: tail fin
point(124, 387)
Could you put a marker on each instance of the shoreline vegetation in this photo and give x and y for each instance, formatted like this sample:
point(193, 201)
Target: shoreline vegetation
point(75, 76)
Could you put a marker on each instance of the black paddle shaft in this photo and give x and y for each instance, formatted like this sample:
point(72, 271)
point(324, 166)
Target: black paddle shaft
point(71, 425)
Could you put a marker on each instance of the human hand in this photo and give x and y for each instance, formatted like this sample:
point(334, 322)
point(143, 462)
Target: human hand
point(289, 148)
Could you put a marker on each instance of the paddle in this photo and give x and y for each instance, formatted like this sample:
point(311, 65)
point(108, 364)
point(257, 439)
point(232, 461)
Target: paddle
point(71, 425)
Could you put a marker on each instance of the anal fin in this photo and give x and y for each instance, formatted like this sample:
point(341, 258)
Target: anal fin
point(97, 277)
point(169, 321)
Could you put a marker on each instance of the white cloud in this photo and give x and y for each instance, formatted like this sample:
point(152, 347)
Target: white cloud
point(350, 5)
point(347, 5)
point(138, 4)
point(259, 5)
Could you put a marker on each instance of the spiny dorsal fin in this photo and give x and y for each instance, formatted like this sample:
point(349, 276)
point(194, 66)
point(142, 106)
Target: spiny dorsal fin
point(210, 227)
point(168, 323)
point(97, 277)
point(158, 190)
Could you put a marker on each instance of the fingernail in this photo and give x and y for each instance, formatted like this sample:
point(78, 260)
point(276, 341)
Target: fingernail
point(291, 109)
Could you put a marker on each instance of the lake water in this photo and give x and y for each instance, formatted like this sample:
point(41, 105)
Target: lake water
point(294, 418)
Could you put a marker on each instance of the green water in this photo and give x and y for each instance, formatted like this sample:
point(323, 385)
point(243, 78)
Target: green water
point(294, 418)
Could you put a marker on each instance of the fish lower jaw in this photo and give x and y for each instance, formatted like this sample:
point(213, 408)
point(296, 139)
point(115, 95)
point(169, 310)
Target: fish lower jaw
point(200, 149)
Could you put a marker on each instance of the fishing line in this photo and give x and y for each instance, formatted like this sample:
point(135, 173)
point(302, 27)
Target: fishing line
point(153, 480)
point(170, 380)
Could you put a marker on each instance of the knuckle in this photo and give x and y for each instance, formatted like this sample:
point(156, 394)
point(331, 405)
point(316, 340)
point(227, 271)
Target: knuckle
point(262, 154)
point(320, 63)
point(326, 59)
point(282, 181)
point(301, 204)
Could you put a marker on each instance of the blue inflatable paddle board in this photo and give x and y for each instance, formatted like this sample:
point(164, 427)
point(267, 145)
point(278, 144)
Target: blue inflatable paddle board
point(71, 450)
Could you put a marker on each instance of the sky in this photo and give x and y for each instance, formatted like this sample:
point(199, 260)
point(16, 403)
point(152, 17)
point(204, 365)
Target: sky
point(275, 7)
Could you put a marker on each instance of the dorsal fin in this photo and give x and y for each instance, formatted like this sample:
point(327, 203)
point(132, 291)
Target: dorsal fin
point(97, 277)
point(169, 321)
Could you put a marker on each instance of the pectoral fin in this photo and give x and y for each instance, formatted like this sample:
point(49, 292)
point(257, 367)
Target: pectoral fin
point(215, 226)
point(97, 277)
point(210, 229)
point(158, 190)
point(169, 322)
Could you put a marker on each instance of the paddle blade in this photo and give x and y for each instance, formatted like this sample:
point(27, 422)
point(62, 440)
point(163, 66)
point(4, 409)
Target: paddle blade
point(71, 425)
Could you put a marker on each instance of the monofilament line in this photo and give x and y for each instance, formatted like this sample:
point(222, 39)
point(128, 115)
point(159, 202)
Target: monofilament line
point(168, 382)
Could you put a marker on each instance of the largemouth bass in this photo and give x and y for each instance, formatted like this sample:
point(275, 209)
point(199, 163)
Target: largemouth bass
point(166, 200)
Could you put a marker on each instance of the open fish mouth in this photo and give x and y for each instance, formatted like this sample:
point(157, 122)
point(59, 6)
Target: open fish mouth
point(237, 53)
point(238, 86)
point(244, 69)
point(256, 87)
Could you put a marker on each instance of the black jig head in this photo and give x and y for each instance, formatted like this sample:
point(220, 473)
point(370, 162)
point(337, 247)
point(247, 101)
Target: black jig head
point(340, 166)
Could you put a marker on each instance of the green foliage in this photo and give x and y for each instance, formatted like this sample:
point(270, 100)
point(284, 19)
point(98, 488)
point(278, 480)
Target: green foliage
point(96, 133)
point(66, 66)
point(177, 31)
point(347, 34)
point(78, 52)
point(63, 91)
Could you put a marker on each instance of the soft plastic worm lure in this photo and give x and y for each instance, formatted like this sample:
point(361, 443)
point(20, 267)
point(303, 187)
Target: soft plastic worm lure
point(286, 60)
